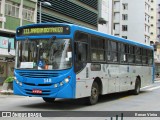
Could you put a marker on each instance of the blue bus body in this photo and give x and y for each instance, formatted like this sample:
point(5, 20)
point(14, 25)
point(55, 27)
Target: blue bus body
point(44, 80)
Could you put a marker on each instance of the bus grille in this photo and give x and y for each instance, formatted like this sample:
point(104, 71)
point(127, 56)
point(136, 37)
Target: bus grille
point(32, 84)
point(37, 74)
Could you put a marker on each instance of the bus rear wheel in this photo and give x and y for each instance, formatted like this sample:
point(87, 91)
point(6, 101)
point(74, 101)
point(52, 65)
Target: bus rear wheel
point(136, 90)
point(49, 100)
point(93, 99)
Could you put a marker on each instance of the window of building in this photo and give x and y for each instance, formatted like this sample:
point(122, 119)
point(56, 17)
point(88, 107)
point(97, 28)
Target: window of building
point(116, 16)
point(28, 14)
point(12, 9)
point(124, 28)
point(147, 28)
point(124, 17)
point(147, 17)
point(116, 5)
point(116, 34)
point(0, 5)
point(124, 37)
point(125, 6)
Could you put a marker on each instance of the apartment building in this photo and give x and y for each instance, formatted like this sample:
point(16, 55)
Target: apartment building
point(131, 19)
point(156, 42)
point(13, 13)
point(153, 21)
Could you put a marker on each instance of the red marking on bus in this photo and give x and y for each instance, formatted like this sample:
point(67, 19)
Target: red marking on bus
point(37, 91)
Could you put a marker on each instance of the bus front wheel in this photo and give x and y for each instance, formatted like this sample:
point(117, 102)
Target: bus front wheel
point(49, 100)
point(93, 99)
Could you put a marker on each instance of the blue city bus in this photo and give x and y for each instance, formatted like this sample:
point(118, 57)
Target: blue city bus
point(59, 60)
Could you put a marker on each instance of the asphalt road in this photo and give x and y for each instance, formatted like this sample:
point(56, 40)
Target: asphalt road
point(147, 100)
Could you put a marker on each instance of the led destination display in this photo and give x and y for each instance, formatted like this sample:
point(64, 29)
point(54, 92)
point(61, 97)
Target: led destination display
point(41, 30)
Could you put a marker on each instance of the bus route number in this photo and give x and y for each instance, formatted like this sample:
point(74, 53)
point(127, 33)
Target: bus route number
point(48, 80)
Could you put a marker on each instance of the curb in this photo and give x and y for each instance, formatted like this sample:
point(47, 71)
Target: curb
point(6, 92)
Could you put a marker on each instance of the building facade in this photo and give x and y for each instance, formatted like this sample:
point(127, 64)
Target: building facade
point(86, 13)
point(13, 13)
point(81, 12)
point(157, 41)
point(153, 21)
point(105, 13)
point(131, 20)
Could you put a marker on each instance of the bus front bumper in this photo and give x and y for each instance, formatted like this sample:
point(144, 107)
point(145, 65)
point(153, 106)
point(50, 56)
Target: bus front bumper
point(65, 91)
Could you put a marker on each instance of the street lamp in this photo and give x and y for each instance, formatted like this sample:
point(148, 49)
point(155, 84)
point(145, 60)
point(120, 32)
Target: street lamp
point(40, 9)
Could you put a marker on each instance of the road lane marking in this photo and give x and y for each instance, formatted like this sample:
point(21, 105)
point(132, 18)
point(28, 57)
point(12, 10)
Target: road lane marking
point(153, 88)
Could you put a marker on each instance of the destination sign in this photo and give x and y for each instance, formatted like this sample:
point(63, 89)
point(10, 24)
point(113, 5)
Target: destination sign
point(41, 30)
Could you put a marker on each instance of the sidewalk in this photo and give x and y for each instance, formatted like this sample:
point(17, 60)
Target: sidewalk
point(157, 79)
point(5, 92)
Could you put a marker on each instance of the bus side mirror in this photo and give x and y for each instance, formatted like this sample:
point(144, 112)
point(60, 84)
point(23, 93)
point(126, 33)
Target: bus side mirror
point(9, 46)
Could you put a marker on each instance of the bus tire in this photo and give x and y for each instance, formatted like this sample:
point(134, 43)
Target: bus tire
point(93, 99)
point(136, 90)
point(49, 100)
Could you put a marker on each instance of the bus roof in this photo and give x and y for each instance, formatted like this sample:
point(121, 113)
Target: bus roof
point(94, 32)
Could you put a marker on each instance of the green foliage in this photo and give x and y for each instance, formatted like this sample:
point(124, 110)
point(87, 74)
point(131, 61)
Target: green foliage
point(9, 79)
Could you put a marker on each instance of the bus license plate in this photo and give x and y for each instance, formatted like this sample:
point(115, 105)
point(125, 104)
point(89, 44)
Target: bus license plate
point(37, 91)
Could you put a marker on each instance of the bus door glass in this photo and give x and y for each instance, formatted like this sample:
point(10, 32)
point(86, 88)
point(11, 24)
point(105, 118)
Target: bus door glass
point(81, 51)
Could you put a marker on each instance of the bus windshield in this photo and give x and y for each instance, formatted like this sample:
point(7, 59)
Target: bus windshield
point(44, 54)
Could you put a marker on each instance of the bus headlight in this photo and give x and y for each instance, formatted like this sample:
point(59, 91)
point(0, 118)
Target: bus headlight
point(55, 85)
point(15, 78)
point(19, 83)
point(61, 83)
point(66, 80)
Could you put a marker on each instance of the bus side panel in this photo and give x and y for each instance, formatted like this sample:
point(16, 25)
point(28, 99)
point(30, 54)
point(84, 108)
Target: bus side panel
point(114, 78)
